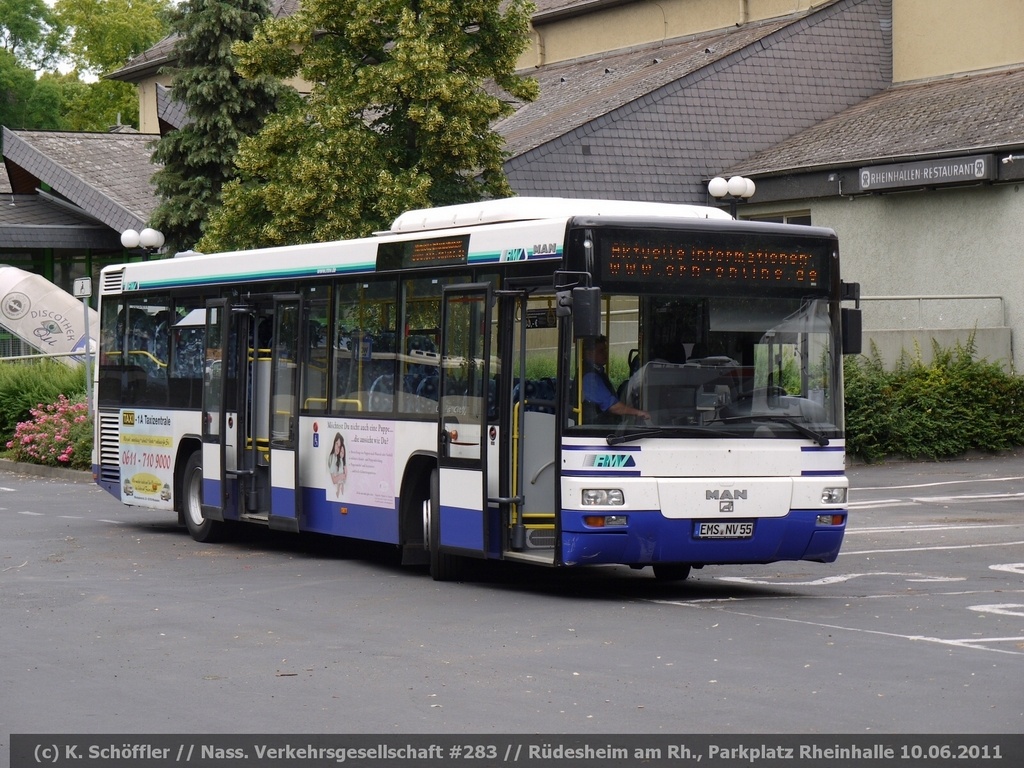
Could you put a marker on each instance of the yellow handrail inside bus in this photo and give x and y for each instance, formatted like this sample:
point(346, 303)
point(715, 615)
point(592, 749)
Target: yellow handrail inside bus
point(150, 355)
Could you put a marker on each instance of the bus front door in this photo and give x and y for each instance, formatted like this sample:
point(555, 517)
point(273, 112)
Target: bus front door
point(530, 331)
point(459, 510)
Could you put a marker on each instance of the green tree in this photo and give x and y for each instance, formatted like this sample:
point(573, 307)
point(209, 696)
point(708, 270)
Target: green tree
point(94, 106)
point(29, 31)
point(104, 34)
point(100, 36)
point(16, 85)
point(223, 107)
point(403, 99)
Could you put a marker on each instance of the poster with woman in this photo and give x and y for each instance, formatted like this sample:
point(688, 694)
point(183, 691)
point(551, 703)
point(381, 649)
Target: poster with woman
point(336, 465)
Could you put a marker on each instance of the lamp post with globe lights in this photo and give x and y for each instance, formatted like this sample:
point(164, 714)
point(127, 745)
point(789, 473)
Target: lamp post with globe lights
point(148, 240)
point(735, 189)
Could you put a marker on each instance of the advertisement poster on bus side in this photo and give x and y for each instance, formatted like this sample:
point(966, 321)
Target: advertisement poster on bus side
point(358, 460)
point(147, 463)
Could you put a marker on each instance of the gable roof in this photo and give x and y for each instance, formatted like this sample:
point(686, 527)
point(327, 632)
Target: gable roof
point(982, 112)
point(105, 175)
point(656, 122)
point(574, 92)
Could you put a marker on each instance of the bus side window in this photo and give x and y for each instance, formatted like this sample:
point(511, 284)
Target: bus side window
point(147, 352)
point(364, 355)
point(185, 356)
point(316, 358)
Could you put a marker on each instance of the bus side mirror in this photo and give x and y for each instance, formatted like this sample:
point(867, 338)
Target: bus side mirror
point(852, 334)
point(584, 304)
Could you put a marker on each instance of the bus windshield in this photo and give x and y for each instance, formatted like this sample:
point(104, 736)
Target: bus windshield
point(710, 366)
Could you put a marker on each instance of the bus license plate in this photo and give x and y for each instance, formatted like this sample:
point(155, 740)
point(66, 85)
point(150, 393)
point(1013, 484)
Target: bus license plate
point(723, 530)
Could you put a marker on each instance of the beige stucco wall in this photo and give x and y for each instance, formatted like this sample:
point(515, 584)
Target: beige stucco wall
point(148, 119)
point(636, 23)
point(932, 38)
point(960, 249)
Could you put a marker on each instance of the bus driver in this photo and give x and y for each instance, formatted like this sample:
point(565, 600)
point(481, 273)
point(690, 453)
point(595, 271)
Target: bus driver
point(598, 392)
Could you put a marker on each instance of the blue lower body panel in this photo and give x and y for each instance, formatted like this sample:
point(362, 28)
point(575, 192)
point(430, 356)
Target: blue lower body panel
point(650, 538)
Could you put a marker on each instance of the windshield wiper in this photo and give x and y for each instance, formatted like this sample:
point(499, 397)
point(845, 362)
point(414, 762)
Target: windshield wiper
point(628, 437)
point(803, 429)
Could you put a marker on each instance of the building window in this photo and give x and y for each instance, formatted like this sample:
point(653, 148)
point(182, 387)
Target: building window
point(803, 217)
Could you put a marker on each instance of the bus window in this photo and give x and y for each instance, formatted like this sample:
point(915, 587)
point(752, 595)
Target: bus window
point(365, 347)
point(187, 354)
point(146, 351)
point(111, 354)
point(315, 360)
point(418, 363)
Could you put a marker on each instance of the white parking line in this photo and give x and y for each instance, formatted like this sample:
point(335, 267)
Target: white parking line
point(934, 549)
point(972, 481)
point(974, 644)
point(928, 527)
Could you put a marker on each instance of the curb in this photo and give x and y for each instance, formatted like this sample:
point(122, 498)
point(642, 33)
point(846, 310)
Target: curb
point(38, 470)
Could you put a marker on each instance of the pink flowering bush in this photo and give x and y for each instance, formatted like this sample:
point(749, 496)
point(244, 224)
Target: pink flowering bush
point(57, 435)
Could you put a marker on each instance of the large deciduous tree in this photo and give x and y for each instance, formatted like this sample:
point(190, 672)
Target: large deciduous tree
point(28, 30)
point(403, 99)
point(222, 106)
point(100, 36)
point(104, 34)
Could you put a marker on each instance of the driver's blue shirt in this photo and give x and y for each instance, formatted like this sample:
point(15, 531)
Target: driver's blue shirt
point(597, 389)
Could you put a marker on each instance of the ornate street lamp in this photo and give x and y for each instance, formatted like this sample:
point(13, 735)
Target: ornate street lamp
point(148, 240)
point(735, 189)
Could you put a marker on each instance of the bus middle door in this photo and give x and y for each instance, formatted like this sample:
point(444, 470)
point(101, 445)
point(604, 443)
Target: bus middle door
point(285, 499)
point(459, 524)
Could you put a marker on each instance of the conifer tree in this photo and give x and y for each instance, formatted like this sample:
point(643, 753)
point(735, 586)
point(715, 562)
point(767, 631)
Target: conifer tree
point(403, 99)
point(222, 106)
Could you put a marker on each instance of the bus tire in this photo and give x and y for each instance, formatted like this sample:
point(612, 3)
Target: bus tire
point(443, 566)
point(199, 527)
point(671, 572)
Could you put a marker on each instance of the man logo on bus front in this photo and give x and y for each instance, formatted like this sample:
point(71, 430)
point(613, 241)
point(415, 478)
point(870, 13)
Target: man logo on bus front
point(725, 498)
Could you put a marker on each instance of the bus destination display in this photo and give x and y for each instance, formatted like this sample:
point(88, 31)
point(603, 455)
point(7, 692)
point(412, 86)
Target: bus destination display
point(438, 252)
point(629, 260)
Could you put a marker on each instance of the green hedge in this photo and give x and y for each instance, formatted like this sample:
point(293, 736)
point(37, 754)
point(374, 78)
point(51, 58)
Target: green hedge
point(27, 384)
point(946, 408)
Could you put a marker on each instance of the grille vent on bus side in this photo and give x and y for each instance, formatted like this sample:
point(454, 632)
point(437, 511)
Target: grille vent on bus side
point(110, 459)
point(112, 280)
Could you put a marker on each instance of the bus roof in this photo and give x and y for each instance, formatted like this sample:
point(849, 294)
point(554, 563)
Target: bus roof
point(529, 208)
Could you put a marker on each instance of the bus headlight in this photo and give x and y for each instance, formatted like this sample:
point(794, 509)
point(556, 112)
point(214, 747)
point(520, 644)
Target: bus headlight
point(602, 497)
point(833, 496)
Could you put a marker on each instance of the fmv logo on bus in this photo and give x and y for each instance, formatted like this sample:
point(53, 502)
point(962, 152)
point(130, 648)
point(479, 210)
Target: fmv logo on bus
point(610, 460)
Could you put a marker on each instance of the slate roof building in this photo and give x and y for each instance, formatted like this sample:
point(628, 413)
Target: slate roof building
point(645, 101)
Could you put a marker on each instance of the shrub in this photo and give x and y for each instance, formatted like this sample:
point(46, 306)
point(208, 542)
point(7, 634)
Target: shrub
point(23, 385)
point(951, 406)
point(57, 435)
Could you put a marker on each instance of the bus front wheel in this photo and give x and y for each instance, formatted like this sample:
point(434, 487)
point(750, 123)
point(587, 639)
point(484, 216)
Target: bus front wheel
point(671, 572)
point(199, 527)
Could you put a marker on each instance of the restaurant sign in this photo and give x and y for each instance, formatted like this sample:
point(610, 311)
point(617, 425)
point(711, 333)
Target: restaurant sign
point(928, 173)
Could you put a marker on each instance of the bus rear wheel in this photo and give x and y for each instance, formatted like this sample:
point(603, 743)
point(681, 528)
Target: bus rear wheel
point(443, 566)
point(671, 572)
point(199, 527)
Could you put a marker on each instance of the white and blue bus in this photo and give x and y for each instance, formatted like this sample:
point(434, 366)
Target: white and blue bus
point(427, 387)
